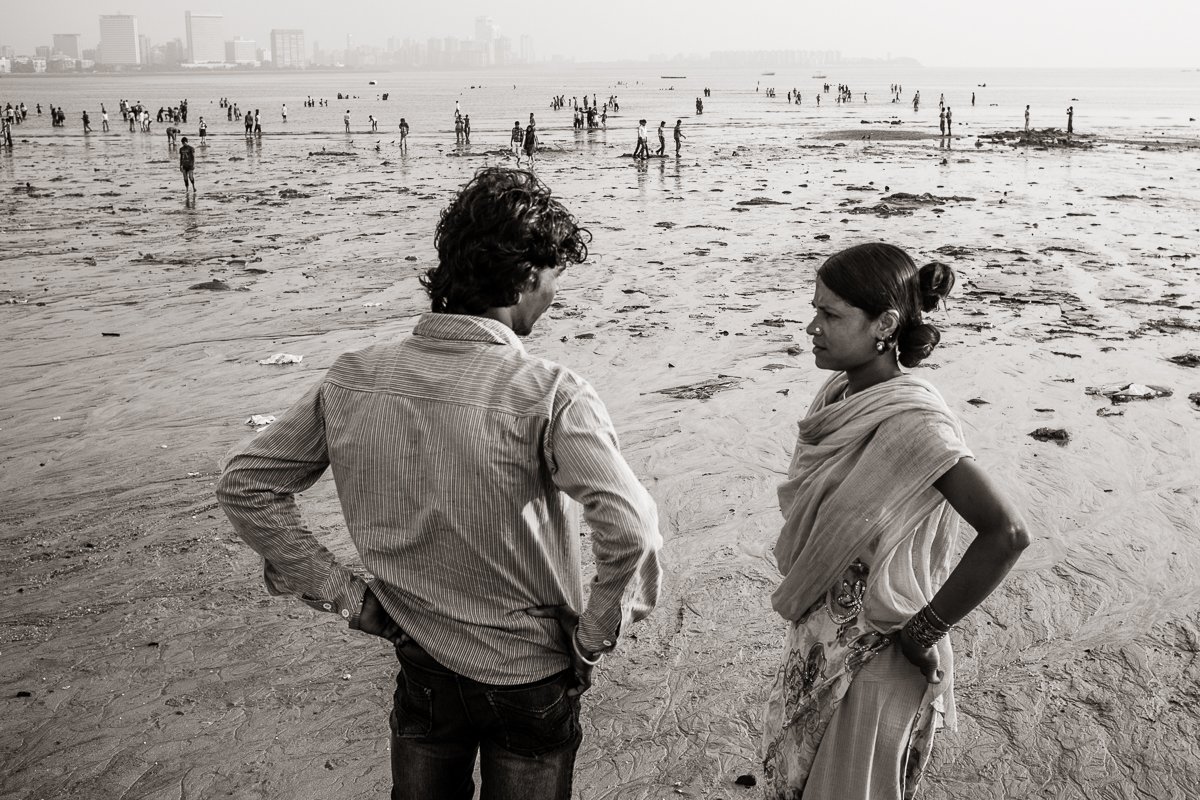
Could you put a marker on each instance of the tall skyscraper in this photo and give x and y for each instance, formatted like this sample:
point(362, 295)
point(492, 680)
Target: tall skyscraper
point(287, 48)
point(486, 34)
point(240, 51)
point(119, 40)
point(526, 49)
point(67, 44)
point(485, 30)
point(206, 43)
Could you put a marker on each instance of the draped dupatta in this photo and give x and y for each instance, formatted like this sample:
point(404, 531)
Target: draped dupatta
point(861, 481)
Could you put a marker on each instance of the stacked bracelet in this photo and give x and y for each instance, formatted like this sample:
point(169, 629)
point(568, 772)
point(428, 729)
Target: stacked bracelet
point(927, 628)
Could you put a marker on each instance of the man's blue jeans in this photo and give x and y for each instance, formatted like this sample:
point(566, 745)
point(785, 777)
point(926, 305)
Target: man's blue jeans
point(526, 735)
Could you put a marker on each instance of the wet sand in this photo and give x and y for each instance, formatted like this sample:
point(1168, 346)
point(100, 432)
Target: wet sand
point(142, 658)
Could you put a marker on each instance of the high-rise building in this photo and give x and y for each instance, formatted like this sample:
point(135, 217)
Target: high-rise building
point(145, 49)
point(205, 41)
point(240, 51)
point(486, 34)
point(171, 53)
point(41, 51)
point(67, 44)
point(526, 49)
point(502, 51)
point(119, 40)
point(287, 48)
point(485, 30)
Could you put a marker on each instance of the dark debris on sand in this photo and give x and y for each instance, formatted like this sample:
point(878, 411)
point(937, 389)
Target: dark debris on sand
point(1044, 138)
point(703, 390)
point(1057, 435)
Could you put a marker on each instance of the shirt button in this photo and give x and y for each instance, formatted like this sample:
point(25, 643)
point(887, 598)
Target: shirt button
point(326, 606)
point(346, 613)
point(607, 643)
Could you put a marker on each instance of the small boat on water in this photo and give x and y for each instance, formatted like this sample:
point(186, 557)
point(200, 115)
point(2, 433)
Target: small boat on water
point(371, 83)
point(673, 77)
point(768, 73)
point(820, 77)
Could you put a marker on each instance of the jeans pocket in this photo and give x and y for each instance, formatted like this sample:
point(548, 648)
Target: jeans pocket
point(412, 708)
point(537, 719)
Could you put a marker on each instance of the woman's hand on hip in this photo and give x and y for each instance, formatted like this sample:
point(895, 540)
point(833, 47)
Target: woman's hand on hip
point(924, 658)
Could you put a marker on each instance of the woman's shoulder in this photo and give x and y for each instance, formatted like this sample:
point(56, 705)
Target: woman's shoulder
point(932, 426)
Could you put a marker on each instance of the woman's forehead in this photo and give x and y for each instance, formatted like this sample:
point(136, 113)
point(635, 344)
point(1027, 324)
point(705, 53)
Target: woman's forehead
point(824, 296)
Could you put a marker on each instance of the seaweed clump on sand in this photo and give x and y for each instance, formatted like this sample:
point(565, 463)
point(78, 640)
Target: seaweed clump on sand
point(1042, 138)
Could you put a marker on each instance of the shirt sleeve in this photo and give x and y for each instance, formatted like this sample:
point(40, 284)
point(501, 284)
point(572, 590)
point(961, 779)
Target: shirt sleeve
point(587, 465)
point(257, 492)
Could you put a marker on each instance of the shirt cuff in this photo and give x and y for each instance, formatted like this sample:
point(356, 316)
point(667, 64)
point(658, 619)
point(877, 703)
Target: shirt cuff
point(348, 604)
point(593, 640)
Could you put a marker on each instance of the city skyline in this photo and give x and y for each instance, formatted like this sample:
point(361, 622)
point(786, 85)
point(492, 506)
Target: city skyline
point(1023, 33)
point(206, 44)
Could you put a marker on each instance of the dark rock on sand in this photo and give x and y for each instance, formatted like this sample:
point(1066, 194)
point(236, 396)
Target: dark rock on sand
point(761, 201)
point(1057, 435)
point(1186, 360)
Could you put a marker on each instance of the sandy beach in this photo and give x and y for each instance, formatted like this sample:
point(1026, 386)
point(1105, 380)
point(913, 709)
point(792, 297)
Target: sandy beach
point(142, 658)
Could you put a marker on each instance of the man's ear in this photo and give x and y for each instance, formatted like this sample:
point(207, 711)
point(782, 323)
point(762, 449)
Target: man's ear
point(533, 281)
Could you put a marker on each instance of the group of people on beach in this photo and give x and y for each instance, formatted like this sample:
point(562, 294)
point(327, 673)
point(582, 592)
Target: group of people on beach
point(459, 503)
point(641, 149)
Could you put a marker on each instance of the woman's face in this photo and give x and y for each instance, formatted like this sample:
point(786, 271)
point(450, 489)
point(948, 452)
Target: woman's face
point(843, 336)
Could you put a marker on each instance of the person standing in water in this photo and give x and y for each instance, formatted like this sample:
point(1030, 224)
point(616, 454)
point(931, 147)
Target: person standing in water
point(403, 135)
point(679, 137)
point(1070, 121)
point(187, 164)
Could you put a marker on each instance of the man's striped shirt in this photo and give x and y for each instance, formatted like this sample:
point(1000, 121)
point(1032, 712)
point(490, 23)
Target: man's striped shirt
point(457, 457)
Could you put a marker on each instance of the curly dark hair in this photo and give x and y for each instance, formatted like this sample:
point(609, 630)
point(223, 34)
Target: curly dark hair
point(498, 231)
point(876, 277)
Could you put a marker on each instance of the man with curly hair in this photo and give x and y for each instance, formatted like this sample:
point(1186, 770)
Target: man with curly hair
point(458, 458)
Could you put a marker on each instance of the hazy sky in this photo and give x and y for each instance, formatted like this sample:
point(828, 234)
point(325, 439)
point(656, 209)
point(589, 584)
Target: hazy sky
point(1011, 33)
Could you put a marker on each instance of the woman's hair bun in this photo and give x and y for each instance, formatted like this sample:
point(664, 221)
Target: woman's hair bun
point(915, 344)
point(936, 281)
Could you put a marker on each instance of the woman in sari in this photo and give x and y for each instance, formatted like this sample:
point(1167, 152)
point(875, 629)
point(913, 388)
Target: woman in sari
point(875, 490)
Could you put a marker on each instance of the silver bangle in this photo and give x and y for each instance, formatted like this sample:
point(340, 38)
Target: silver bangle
point(579, 651)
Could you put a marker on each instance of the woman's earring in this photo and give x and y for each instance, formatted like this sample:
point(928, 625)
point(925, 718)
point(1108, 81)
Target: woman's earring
point(880, 345)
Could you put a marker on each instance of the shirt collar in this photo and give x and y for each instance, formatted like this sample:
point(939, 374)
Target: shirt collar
point(466, 328)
